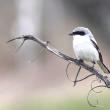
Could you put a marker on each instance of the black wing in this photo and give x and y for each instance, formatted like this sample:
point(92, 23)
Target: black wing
point(100, 55)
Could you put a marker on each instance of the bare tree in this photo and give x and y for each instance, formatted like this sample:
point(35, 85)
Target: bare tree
point(28, 21)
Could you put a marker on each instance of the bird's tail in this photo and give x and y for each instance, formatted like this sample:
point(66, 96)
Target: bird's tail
point(103, 67)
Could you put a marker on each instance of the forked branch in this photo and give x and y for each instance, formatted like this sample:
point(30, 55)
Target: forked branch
point(56, 52)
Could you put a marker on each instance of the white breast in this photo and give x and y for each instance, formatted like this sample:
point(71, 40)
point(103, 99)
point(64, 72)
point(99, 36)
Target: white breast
point(84, 49)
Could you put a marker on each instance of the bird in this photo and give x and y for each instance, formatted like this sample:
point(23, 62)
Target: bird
point(86, 49)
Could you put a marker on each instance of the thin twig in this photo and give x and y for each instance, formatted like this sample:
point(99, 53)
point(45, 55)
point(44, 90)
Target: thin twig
point(20, 46)
point(67, 71)
point(78, 80)
point(95, 86)
point(89, 93)
point(85, 77)
point(77, 75)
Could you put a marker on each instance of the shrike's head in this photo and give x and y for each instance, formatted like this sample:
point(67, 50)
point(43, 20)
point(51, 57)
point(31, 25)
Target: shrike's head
point(82, 31)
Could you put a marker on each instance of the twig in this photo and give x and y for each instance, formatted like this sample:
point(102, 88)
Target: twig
point(89, 93)
point(78, 80)
point(67, 71)
point(75, 81)
point(53, 50)
point(85, 77)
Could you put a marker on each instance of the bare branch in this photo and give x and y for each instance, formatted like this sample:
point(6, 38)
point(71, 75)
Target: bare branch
point(77, 75)
point(85, 77)
point(67, 71)
point(53, 50)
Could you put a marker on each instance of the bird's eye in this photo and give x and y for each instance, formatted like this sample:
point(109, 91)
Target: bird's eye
point(79, 33)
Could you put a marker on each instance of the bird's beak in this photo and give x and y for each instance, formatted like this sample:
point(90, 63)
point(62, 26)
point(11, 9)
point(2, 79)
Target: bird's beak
point(71, 34)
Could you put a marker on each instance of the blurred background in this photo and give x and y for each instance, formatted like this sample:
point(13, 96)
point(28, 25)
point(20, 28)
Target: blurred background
point(34, 79)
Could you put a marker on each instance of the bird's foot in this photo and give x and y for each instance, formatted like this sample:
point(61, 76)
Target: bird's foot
point(93, 64)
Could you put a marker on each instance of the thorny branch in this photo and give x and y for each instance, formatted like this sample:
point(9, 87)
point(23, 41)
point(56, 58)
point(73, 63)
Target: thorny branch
point(50, 48)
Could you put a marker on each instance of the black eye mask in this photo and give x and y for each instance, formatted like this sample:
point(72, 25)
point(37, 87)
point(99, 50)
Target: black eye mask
point(78, 33)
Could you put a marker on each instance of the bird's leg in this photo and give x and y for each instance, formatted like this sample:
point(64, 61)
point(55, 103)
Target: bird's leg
point(81, 61)
point(77, 75)
point(93, 64)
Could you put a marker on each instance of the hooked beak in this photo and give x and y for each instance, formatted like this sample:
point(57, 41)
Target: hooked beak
point(71, 34)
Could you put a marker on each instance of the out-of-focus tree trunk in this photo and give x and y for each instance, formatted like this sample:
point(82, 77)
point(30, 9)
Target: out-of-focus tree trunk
point(28, 21)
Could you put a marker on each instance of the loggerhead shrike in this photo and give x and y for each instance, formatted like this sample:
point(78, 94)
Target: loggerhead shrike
point(85, 47)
